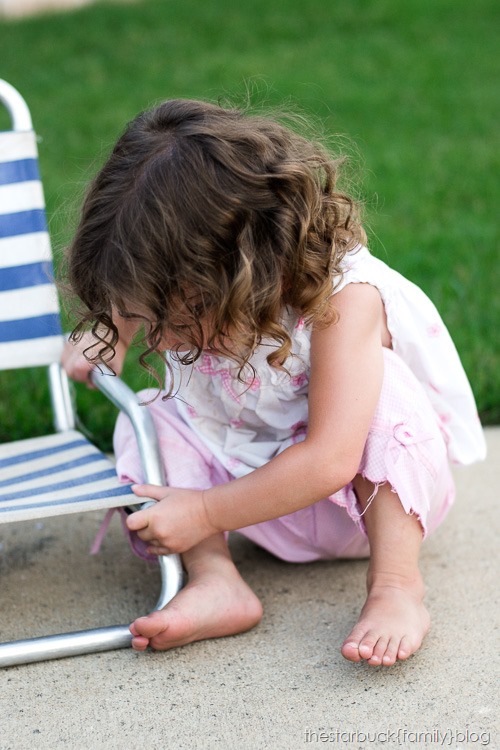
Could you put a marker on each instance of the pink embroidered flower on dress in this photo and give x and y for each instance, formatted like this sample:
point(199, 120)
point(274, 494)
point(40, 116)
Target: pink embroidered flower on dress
point(232, 463)
point(192, 412)
point(236, 423)
point(207, 368)
point(434, 330)
point(299, 430)
point(445, 418)
point(434, 387)
point(300, 324)
point(254, 383)
point(299, 380)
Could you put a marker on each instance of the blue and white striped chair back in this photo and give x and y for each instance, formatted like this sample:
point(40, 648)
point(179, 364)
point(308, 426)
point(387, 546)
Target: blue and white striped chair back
point(30, 328)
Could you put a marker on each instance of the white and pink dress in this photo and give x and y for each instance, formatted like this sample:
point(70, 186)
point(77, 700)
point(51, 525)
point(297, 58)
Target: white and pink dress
point(217, 428)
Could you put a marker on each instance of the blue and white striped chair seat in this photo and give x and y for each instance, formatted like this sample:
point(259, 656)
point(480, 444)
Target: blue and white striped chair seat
point(55, 475)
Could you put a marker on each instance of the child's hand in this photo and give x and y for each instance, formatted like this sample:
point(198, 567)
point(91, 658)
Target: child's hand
point(176, 523)
point(74, 362)
point(77, 365)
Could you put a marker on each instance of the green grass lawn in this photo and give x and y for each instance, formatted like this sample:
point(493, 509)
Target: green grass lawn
point(410, 87)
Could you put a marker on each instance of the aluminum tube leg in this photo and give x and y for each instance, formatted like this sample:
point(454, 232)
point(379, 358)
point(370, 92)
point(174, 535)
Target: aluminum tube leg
point(62, 406)
point(88, 641)
point(64, 644)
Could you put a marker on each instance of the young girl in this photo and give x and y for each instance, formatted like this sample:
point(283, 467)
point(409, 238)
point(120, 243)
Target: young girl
point(313, 396)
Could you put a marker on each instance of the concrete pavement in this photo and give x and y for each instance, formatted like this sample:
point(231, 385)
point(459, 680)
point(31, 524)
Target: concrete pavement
point(283, 685)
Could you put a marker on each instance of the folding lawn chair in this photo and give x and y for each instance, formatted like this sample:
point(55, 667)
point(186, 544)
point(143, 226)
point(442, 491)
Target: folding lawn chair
point(60, 473)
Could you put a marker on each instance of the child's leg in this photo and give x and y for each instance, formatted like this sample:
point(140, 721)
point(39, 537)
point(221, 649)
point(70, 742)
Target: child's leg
point(394, 620)
point(215, 602)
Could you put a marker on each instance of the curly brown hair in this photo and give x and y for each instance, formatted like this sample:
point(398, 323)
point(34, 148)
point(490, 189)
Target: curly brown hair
point(220, 213)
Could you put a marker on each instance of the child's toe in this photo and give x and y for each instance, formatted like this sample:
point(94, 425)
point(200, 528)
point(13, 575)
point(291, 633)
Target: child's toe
point(139, 643)
point(406, 648)
point(350, 650)
point(367, 645)
point(378, 651)
point(150, 625)
point(391, 652)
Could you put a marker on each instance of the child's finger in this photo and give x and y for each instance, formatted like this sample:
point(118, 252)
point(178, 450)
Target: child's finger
point(138, 520)
point(154, 491)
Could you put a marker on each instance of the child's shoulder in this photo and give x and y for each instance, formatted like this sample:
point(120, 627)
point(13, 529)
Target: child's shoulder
point(359, 265)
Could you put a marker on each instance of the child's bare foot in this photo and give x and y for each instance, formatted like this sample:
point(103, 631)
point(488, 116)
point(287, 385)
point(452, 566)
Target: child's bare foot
point(216, 602)
point(392, 624)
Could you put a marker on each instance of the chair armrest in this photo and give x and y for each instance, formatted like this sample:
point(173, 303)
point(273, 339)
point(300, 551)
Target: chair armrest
point(127, 401)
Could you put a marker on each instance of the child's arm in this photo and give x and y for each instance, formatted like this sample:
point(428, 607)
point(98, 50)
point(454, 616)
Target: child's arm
point(77, 365)
point(345, 384)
